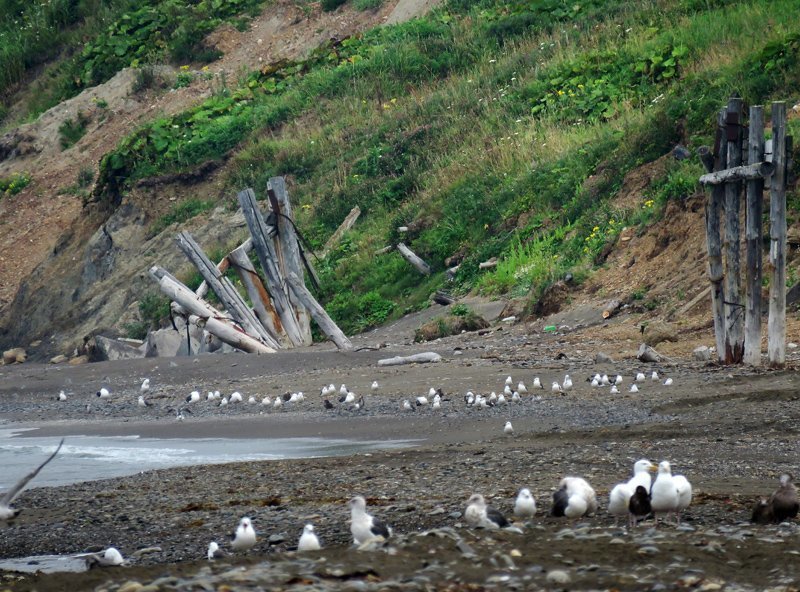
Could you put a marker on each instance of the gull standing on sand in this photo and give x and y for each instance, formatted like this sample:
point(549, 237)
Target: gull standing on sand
point(654, 375)
point(521, 388)
point(143, 402)
point(364, 526)
point(684, 495)
point(634, 388)
point(245, 537)
point(781, 505)
point(556, 387)
point(668, 382)
point(214, 552)
point(574, 498)
point(537, 383)
point(104, 393)
point(664, 495)
point(567, 385)
point(308, 540)
point(525, 505)
point(508, 429)
point(639, 376)
point(375, 386)
point(620, 496)
point(193, 397)
point(509, 382)
point(145, 388)
point(6, 511)
point(479, 515)
point(62, 396)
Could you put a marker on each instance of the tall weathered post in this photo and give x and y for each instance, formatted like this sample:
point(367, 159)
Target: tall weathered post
point(734, 317)
point(776, 325)
point(754, 211)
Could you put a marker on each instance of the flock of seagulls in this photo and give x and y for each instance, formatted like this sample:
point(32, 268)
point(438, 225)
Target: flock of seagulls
point(638, 498)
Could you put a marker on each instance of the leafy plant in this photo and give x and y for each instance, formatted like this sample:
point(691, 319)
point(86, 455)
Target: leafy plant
point(72, 130)
point(367, 4)
point(14, 184)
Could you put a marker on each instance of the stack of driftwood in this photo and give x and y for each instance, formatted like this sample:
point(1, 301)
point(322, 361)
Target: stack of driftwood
point(282, 306)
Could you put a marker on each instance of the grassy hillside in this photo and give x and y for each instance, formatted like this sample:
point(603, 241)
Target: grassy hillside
point(487, 128)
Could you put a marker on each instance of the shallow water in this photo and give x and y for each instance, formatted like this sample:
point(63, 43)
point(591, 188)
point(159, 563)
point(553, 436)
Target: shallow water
point(44, 564)
point(87, 458)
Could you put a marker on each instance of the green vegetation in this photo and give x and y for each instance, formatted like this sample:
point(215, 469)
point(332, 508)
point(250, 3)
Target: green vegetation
point(488, 128)
point(14, 184)
point(152, 308)
point(451, 324)
point(72, 130)
point(120, 33)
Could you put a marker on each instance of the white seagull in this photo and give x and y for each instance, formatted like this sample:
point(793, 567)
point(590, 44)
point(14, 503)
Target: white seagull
point(375, 386)
point(193, 397)
point(634, 388)
point(308, 540)
point(363, 526)
point(145, 388)
point(508, 429)
point(111, 557)
point(509, 382)
point(604, 380)
point(639, 376)
point(479, 515)
point(664, 496)
point(567, 385)
point(537, 383)
point(407, 405)
point(525, 506)
point(62, 396)
point(214, 551)
point(620, 496)
point(614, 389)
point(654, 375)
point(245, 537)
point(8, 513)
point(668, 382)
point(684, 494)
point(104, 393)
point(143, 402)
point(521, 388)
point(574, 498)
point(236, 397)
point(556, 388)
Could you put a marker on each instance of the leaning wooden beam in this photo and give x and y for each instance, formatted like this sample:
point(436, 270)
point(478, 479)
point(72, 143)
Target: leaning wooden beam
point(223, 265)
point(262, 304)
point(409, 256)
point(223, 288)
point(320, 316)
point(346, 225)
point(752, 233)
point(734, 309)
point(776, 324)
point(747, 172)
point(262, 234)
point(198, 309)
point(287, 249)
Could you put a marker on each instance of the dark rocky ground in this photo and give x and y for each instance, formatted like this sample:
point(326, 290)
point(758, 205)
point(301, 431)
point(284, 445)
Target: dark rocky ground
point(732, 432)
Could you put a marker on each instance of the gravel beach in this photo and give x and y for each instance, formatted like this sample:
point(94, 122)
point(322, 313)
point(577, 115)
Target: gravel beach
point(732, 432)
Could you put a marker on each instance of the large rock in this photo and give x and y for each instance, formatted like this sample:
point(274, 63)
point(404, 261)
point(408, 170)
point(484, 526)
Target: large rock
point(702, 353)
point(168, 343)
point(15, 355)
point(111, 349)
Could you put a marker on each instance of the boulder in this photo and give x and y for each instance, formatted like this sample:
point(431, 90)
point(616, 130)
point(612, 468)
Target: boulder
point(59, 359)
point(112, 349)
point(702, 353)
point(602, 358)
point(164, 343)
point(15, 355)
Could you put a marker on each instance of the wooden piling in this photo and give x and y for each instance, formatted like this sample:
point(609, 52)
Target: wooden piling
point(776, 324)
point(734, 310)
point(320, 316)
point(754, 211)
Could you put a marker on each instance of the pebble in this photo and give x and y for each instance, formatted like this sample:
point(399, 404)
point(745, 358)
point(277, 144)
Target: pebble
point(558, 576)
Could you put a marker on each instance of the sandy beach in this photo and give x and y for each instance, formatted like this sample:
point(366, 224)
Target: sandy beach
point(730, 431)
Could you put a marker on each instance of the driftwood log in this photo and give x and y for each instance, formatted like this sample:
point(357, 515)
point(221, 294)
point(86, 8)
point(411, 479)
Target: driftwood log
point(320, 316)
point(336, 237)
point(413, 259)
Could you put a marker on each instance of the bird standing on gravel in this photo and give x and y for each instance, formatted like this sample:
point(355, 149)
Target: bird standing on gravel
point(145, 388)
point(62, 396)
point(375, 386)
point(525, 505)
point(245, 536)
point(6, 511)
point(308, 540)
point(479, 515)
point(537, 383)
point(143, 402)
point(620, 495)
point(639, 505)
point(574, 498)
point(104, 393)
point(784, 501)
point(508, 429)
point(364, 526)
point(214, 552)
point(567, 384)
point(664, 493)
